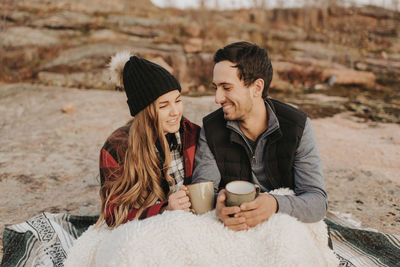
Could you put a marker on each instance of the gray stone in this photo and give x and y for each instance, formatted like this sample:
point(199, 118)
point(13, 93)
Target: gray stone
point(65, 20)
point(87, 53)
point(24, 36)
point(88, 57)
point(383, 65)
point(129, 20)
point(20, 17)
point(349, 77)
point(87, 6)
point(140, 31)
point(106, 35)
point(281, 35)
point(88, 80)
point(323, 51)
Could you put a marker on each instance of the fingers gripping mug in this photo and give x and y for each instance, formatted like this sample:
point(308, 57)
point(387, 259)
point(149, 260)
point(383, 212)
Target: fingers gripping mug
point(238, 192)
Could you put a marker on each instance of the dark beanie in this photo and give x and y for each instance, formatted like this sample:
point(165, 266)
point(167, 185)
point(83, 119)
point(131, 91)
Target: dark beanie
point(144, 82)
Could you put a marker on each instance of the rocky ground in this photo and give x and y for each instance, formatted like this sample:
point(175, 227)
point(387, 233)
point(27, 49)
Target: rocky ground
point(348, 52)
point(51, 137)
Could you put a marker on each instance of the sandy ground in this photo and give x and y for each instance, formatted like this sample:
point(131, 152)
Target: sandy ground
point(49, 159)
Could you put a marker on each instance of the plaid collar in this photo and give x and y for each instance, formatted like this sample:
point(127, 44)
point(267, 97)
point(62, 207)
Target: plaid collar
point(174, 141)
point(176, 168)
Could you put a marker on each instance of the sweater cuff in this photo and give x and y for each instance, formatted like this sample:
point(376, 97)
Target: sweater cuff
point(284, 205)
point(155, 209)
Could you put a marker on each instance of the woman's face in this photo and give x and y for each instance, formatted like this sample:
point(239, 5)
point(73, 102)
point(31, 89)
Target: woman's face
point(169, 107)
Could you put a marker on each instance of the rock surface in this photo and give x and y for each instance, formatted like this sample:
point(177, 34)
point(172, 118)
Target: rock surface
point(69, 43)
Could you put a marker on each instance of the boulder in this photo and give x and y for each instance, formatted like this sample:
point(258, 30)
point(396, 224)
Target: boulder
point(383, 65)
point(200, 68)
point(129, 20)
point(140, 31)
point(88, 80)
point(19, 17)
point(64, 20)
point(349, 76)
point(193, 45)
point(87, 6)
point(315, 50)
point(160, 61)
point(16, 37)
point(287, 35)
point(106, 35)
point(192, 29)
point(180, 67)
point(186, 87)
point(281, 85)
point(296, 74)
point(86, 57)
point(68, 109)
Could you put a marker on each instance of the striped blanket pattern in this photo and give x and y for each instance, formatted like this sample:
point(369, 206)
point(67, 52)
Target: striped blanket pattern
point(44, 240)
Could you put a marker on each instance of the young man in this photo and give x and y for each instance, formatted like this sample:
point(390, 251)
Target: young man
point(254, 138)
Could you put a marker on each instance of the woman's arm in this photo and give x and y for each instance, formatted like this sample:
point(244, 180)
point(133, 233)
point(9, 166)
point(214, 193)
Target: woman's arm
point(110, 170)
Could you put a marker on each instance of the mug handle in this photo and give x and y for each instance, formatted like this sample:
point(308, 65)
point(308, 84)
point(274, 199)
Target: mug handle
point(258, 188)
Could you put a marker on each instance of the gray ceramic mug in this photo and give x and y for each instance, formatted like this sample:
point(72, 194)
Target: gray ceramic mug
point(201, 196)
point(238, 192)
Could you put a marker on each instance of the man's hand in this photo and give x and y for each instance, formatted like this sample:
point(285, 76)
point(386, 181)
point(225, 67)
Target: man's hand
point(179, 200)
point(233, 222)
point(258, 210)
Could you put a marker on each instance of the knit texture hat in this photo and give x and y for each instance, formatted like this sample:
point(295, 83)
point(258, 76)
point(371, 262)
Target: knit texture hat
point(144, 82)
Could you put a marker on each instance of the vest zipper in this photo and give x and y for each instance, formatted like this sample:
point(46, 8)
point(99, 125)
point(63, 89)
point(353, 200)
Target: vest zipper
point(253, 157)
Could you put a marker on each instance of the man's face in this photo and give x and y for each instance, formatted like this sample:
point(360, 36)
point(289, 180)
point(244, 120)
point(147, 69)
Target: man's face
point(230, 92)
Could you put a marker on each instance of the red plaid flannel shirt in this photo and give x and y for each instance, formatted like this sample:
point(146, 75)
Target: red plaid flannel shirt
point(113, 153)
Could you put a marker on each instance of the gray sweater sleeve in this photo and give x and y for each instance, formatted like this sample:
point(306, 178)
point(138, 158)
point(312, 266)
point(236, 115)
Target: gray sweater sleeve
point(310, 202)
point(205, 166)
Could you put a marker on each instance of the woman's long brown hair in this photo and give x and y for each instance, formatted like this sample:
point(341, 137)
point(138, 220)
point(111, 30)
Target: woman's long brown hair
point(140, 183)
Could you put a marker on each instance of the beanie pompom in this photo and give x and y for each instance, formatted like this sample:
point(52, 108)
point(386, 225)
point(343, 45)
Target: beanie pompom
point(116, 67)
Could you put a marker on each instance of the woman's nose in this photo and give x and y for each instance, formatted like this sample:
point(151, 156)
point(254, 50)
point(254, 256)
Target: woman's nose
point(174, 110)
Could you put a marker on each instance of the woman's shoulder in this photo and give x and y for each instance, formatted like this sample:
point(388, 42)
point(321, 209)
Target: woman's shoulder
point(121, 132)
point(118, 140)
point(190, 132)
point(189, 126)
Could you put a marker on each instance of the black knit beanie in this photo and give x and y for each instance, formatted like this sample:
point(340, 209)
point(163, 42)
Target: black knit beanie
point(144, 82)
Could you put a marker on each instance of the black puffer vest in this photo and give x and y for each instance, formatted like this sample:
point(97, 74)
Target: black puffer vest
point(233, 156)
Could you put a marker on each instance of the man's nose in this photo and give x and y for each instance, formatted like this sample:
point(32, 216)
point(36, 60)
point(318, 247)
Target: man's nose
point(219, 96)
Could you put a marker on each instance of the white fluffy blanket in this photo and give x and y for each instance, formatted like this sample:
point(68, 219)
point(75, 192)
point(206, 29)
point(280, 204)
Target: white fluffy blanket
point(180, 238)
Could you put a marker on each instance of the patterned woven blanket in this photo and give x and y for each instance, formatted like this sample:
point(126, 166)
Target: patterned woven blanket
point(45, 239)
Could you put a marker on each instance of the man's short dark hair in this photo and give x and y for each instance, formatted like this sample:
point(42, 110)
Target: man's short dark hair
point(251, 61)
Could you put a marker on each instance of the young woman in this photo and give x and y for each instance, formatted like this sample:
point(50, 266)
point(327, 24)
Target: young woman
point(145, 164)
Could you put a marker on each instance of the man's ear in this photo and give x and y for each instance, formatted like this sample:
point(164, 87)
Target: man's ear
point(258, 87)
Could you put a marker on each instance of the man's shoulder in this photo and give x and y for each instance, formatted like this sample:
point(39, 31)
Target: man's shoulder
point(216, 115)
point(287, 113)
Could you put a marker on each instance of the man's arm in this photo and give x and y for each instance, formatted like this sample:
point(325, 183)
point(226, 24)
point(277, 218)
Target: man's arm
point(206, 169)
point(310, 203)
point(205, 166)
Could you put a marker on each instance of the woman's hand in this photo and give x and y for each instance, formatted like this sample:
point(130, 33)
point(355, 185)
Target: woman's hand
point(179, 200)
